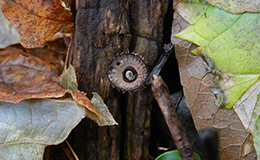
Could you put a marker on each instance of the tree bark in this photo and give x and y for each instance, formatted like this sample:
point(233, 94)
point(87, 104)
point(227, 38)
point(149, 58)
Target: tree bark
point(104, 28)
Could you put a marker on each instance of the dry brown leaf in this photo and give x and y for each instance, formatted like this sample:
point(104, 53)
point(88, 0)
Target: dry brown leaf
point(233, 137)
point(53, 53)
point(36, 21)
point(195, 81)
point(22, 73)
point(23, 76)
point(57, 45)
point(81, 99)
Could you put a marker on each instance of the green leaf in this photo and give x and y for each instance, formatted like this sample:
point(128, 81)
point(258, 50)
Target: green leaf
point(233, 86)
point(231, 41)
point(173, 155)
point(236, 6)
point(28, 127)
point(230, 45)
point(191, 10)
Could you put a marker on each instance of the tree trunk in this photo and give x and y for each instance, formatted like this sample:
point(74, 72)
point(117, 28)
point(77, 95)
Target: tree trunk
point(104, 28)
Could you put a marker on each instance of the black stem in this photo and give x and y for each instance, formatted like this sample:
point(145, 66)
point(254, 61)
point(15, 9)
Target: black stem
point(167, 50)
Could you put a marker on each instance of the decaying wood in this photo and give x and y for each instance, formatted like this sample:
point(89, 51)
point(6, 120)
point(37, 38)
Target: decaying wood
point(101, 31)
point(162, 96)
point(104, 28)
point(146, 23)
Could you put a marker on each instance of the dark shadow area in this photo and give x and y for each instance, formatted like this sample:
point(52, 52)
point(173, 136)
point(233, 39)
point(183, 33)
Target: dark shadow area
point(170, 72)
point(161, 139)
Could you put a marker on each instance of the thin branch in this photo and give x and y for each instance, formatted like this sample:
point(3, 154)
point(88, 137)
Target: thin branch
point(162, 96)
point(167, 50)
point(72, 151)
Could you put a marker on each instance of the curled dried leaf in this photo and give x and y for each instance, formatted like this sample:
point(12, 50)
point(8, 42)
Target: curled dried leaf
point(36, 21)
point(25, 76)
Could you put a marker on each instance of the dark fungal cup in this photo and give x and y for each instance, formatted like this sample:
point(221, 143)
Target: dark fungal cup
point(127, 72)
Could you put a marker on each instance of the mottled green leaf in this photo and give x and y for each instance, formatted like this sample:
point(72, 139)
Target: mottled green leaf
point(236, 6)
point(173, 155)
point(27, 127)
point(231, 41)
point(234, 138)
point(191, 10)
point(232, 86)
point(230, 45)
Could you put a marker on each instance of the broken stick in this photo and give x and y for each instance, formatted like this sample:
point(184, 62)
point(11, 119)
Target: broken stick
point(162, 96)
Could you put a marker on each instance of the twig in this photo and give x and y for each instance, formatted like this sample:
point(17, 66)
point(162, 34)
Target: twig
point(72, 151)
point(70, 51)
point(162, 96)
point(167, 50)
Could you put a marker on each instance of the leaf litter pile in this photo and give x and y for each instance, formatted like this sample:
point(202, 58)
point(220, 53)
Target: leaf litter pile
point(40, 104)
point(218, 58)
point(25, 77)
point(217, 51)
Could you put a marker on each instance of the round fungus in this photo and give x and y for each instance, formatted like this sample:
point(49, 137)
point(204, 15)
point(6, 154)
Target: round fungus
point(127, 72)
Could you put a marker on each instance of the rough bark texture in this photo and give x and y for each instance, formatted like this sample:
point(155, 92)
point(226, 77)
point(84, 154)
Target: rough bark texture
point(104, 28)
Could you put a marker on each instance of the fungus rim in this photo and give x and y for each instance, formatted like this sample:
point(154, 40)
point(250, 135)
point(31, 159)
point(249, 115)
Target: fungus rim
point(135, 63)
